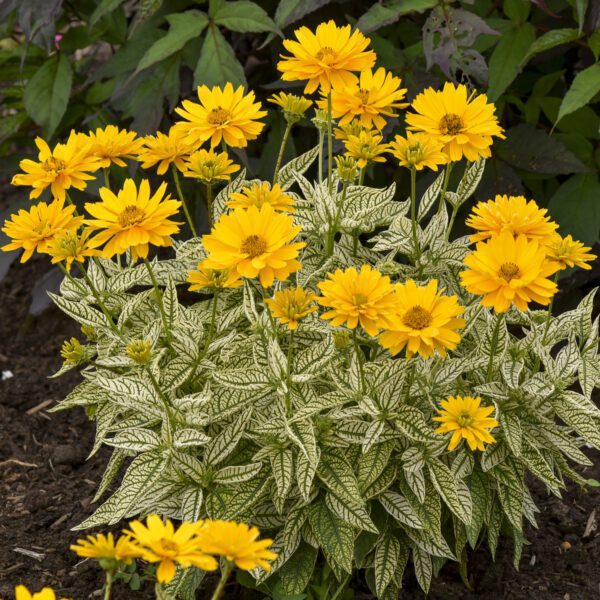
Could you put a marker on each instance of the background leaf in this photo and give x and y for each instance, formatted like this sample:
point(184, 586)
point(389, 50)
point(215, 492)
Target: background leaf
point(218, 64)
point(584, 87)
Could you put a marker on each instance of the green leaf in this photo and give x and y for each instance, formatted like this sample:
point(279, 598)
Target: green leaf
point(47, 93)
point(237, 473)
point(224, 444)
point(218, 64)
point(399, 507)
point(282, 465)
point(411, 422)
point(297, 571)
point(336, 473)
point(423, 568)
point(334, 535)
point(380, 15)
point(550, 39)
point(453, 491)
point(352, 513)
point(584, 87)
point(290, 11)
point(511, 426)
point(387, 555)
point(243, 16)
point(298, 165)
point(305, 474)
point(104, 7)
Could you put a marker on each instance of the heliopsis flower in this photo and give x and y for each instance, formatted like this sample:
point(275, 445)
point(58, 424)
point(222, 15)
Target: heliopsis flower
point(418, 151)
point(172, 148)
point(365, 148)
point(326, 57)
point(34, 229)
point(161, 543)
point(236, 542)
point(291, 305)
point(354, 127)
point(22, 593)
point(112, 145)
point(209, 166)
point(104, 547)
point(216, 279)
point(255, 243)
point(513, 214)
point(68, 165)
point(427, 321)
point(464, 124)
point(260, 194)
point(132, 219)
point(71, 246)
point(468, 420)
point(72, 351)
point(374, 96)
point(567, 252)
point(293, 106)
point(223, 113)
point(366, 298)
point(139, 351)
point(506, 270)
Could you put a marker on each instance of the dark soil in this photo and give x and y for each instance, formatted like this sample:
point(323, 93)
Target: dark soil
point(46, 485)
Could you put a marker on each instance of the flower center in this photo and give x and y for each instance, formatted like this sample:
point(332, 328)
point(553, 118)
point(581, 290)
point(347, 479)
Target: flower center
point(218, 116)
point(360, 299)
point(326, 54)
point(68, 243)
point(464, 419)
point(417, 318)
point(54, 164)
point(508, 271)
point(451, 124)
point(169, 545)
point(414, 153)
point(254, 246)
point(43, 229)
point(363, 95)
point(131, 216)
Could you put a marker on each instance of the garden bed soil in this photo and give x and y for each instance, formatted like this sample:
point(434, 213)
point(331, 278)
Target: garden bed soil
point(46, 486)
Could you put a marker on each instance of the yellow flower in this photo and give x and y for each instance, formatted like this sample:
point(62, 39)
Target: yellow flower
point(70, 246)
point(236, 542)
point(468, 420)
point(34, 229)
point(209, 166)
point(162, 543)
point(112, 145)
point(140, 351)
point(172, 148)
point(513, 214)
point(260, 194)
point(365, 148)
point(326, 57)
point(72, 351)
point(22, 593)
point(213, 278)
point(374, 96)
point(132, 219)
point(427, 321)
point(354, 127)
point(104, 547)
point(255, 243)
point(567, 252)
point(506, 270)
point(291, 305)
point(366, 298)
point(465, 125)
point(293, 106)
point(223, 113)
point(419, 151)
point(68, 165)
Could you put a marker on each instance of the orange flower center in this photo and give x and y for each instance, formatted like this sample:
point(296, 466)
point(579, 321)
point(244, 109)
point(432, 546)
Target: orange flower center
point(131, 216)
point(464, 419)
point(327, 55)
point(218, 116)
point(451, 124)
point(508, 271)
point(254, 246)
point(54, 164)
point(417, 318)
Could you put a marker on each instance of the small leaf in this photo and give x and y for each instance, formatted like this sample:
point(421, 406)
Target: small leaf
point(104, 8)
point(584, 87)
point(290, 11)
point(218, 64)
point(380, 15)
point(243, 16)
point(550, 39)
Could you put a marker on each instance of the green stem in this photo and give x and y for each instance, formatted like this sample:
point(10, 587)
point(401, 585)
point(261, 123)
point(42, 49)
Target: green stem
point(209, 204)
point(329, 144)
point(413, 211)
point(224, 577)
point(590, 345)
point(288, 377)
point(159, 300)
point(106, 172)
point(321, 140)
point(108, 586)
point(170, 417)
point(490, 367)
point(188, 216)
point(549, 313)
point(224, 146)
point(336, 222)
point(213, 320)
point(286, 135)
point(445, 186)
point(361, 176)
point(359, 358)
point(354, 242)
point(71, 278)
point(451, 223)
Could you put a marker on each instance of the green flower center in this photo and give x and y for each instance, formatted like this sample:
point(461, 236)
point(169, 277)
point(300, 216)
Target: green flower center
point(464, 419)
point(360, 299)
point(417, 318)
point(414, 153)
point(451, 124)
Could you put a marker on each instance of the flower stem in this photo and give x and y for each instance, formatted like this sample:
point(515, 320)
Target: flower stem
point(451, 223)
point(108, 585)
point(361, 176)
point(106, 171)
point(359, 358)
point(286, 135)
point(224, 577)
point(288, 376)
point(413, 211)
point(490, 367)
point(336, 222)
point(329, 144)
point(445, 186)
point(321, 140)
point(209, 204)
point(159, 300)
point(165, 402)
point(188, 216)
point(213, 320)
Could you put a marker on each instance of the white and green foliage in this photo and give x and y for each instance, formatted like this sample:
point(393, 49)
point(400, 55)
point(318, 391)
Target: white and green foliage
point(219, 424)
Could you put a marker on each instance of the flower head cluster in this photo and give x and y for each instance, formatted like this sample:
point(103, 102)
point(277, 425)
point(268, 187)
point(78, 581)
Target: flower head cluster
point(162, 150)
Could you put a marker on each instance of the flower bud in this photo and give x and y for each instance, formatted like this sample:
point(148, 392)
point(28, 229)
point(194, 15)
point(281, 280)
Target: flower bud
point(72, 351)
point(140, 351)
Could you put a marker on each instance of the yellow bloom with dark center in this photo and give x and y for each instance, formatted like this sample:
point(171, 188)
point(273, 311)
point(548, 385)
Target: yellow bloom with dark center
point(260, 194)
point(215, 279)
point(426, 321)
point(223, 113)
point(567, 252)
point(365, 148)
point(354, 127)
point(373, 97)
point(104, 547)
point(293, 106)
point(70, 246)
point(366, 297)
point(291, 305)
point(418, 151)
point(22, 593)
point(467, 420)
point(165, 150)
point(67, 166)
point(326, 57)
point(140, 351)
point(506, 270)
point(464, 124)
point(133, 219)
point(255, 243)
point(513, 214)
point(112, 145)
point(35, 229)
point(209, 166)
point(237, 543)
point(163, 544)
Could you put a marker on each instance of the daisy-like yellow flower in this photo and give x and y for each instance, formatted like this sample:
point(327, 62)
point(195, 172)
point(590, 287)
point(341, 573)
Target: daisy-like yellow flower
point(165, 150)
point(354, 127)
point(464, 124)
point(161, 543)
point(22, 593)
point(418, 151)
point(291, 305)
point(104, 547)
point(112, 145)
point(426, 321)
point(209, 166)
point(260, 194)
point(293, 106)
point(513, 214)
point(506, 270)
point(223, 113)
point(238, 543)
point(70, 246)
point(365, 148)
point(132, 219)
point(367, 298)
point(215, 279)
point(34, 229)
point(67, 165)
point(326, 57)
point(369, 100)
point(255, 243)
point(466, 419)
point(567, 252)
